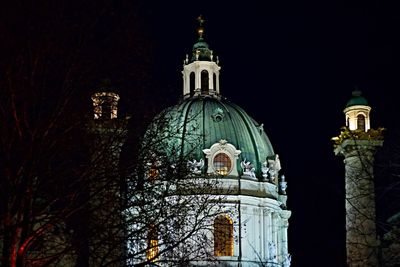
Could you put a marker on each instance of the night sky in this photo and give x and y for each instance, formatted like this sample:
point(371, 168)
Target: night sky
point(292, 65)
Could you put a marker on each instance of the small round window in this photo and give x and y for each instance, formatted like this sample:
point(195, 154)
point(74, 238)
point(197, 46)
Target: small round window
point(218, 118)
point(222, 164)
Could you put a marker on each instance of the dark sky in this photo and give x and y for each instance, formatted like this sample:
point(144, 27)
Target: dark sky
point(292, 65)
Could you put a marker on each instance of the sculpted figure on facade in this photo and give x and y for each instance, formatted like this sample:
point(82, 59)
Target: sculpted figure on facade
point(274, 168)
point(248, 168)
point(264, 170)
point(283, 184)
point(195, 166)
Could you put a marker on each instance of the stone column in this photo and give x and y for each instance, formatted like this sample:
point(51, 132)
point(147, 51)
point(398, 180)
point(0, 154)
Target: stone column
point(361, 240)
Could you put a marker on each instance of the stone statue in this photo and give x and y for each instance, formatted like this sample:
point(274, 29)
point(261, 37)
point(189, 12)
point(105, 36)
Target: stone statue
point(277, 163)
point(274, 168)
point(283, 184)
point(261, 128)
point(264, 170)
point(195, 166)
point(248, 168)
point(271, 173)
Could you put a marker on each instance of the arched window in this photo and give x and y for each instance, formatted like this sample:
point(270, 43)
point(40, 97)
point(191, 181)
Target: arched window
point(223, 236)
point(192, 83)
point(222, 164)
point(204, 82)
point(152, 244)
point(360, 122)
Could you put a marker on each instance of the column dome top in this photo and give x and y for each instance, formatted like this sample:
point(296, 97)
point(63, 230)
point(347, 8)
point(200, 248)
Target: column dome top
point(357, 99)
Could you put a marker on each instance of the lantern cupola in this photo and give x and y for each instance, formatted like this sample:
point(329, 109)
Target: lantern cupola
point(201, 69)
point(357, 112)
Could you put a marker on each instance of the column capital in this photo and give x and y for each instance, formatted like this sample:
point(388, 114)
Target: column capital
point(352, 147)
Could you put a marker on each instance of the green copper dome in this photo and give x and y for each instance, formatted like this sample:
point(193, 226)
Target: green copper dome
point(357, 99)
point(199, 122)
point(201, 51)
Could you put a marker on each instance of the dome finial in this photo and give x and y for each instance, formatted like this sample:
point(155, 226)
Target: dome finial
point(200, 29)
point(356, 91)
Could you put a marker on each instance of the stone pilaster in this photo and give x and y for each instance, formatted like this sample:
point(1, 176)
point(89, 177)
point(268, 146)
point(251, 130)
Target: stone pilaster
point(283, 236)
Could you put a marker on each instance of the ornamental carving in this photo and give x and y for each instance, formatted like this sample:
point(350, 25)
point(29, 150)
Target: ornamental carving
point(265, 170)
point(221, 158)
point(274, 168)
point(371, 134)
point(195, 166)
point(248, 168)
point(283, 185)
point(218, 115)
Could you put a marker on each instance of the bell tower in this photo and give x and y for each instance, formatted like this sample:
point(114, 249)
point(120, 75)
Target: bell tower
point(108, 133)
point(357, 143)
